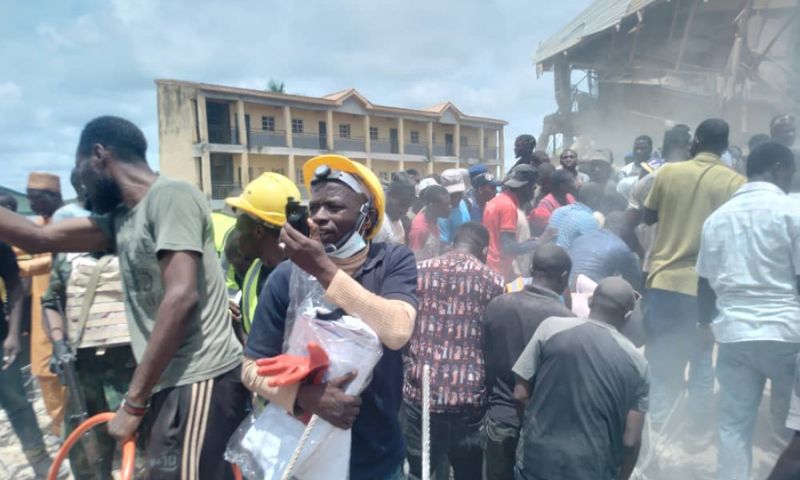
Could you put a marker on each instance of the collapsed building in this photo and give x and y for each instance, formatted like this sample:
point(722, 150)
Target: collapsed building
point(627, 67)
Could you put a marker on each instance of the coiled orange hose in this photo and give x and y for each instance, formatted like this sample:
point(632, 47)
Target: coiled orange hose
point(128, 449)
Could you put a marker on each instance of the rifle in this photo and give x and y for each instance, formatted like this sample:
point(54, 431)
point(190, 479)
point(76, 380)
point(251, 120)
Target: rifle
point(63, 364)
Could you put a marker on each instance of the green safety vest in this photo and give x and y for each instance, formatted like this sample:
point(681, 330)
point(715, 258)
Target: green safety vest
point(223, 224)
point(250, 295)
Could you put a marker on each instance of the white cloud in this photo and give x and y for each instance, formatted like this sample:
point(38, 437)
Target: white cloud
point(75, 61)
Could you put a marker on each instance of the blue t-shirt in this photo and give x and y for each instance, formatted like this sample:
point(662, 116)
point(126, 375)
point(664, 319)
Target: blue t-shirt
point(390, 271)
point(448, 227)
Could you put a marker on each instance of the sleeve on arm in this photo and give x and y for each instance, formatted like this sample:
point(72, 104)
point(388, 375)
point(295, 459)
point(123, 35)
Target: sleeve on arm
point(269, 324)
point(651, 201)
point(642, 401)
point(507, 217)
point(528, 362)
point(179, 220)
point(392, 312)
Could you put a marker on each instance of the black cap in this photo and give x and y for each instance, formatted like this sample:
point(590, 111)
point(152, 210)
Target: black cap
point(520, 176)
point(484, 179)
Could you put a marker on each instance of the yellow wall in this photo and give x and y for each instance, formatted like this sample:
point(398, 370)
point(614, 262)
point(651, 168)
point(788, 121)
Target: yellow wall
point(311, 119)
point(472, 135)
point(439, 131)
point(176, 133)
point(269, 163)
point(383, 124)
point(356, 124)
point(257, 111)
point(422, 128)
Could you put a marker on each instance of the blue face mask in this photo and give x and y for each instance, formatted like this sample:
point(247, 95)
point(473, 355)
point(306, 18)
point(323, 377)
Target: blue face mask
point(353, 245)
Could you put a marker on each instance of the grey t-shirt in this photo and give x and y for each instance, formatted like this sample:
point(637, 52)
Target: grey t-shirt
point(586, 377)
point(173, 216)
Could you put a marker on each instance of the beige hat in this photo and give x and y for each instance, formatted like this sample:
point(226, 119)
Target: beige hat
point(44, 181)
point(453, 181)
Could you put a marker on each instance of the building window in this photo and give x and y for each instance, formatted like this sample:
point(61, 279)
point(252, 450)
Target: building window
point(414, 137)
point(463, 141)
point(485, 142)
point(297, 125)
point(268, 124)
point(373, 133)
point(344, 130)
point(298, 174)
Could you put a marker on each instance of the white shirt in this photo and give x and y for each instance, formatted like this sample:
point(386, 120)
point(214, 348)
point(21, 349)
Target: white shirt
point(750, 254)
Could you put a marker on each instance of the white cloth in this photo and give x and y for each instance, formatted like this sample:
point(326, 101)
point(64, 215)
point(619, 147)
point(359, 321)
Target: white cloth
point(750, 254)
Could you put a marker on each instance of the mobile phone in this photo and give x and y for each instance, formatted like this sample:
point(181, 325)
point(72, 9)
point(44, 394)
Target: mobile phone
point(297, 216)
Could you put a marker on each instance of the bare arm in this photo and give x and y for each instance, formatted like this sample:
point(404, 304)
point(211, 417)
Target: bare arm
point(788, 466)
point(706, 301)
point(179, 273)
point(632, 443)
point(73, 235)
point(54, 325)
point(522, 394)
point(16, 297)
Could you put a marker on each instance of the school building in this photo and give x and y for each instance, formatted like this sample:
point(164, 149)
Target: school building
point(220, 137)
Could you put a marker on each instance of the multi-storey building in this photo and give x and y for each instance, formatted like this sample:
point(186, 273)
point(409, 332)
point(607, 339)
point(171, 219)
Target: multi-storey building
point(220, 137)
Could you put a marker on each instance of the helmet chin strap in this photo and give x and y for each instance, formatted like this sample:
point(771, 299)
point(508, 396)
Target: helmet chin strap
point(362, 218)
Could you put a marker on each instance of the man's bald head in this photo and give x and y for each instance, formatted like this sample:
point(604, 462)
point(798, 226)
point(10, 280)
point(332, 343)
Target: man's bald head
point(613, 301)
point(551, 267)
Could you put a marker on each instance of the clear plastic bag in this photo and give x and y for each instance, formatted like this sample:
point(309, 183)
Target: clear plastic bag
point(264, 444)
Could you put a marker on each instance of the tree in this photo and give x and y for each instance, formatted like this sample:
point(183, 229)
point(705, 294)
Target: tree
point(275, 87)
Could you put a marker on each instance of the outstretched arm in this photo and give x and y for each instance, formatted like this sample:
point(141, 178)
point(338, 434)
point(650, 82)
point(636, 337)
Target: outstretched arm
point(73, 235)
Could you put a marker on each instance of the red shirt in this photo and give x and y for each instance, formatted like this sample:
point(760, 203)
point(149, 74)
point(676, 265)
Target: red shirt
point(540, 215)
point(423, 238)
point(500, 216)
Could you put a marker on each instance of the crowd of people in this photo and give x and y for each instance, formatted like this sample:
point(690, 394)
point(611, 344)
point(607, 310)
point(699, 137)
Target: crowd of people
point(556, 308)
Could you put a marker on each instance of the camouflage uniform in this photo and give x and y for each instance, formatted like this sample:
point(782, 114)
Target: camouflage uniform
point(103, 377)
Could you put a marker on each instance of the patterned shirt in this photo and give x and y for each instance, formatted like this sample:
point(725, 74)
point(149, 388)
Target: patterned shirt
point(453, 290)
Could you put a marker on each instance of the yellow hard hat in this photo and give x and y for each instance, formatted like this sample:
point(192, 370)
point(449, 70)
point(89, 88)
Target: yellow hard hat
point(265, 198)
point(344, 164)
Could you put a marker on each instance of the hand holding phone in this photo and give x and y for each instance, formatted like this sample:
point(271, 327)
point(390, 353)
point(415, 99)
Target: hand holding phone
point(297, 216)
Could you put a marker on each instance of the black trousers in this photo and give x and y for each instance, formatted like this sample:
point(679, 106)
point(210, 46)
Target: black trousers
point(187, 428)
point(455, 442)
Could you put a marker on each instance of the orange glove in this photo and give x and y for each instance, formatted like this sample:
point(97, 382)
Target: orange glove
point(286, 369)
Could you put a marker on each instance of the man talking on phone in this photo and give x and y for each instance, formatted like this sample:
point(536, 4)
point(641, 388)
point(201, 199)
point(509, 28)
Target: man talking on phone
point(372, 280)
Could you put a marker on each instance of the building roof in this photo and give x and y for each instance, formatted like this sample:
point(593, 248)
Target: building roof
point(597, 18)
point(336, 99)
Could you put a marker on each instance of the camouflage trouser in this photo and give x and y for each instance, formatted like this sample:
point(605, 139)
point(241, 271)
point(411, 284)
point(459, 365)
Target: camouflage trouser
point(104, 379)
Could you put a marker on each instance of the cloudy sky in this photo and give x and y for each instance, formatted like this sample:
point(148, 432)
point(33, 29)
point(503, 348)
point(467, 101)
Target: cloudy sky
point(67, 61)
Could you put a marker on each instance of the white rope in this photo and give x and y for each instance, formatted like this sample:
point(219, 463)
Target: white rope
point(426, 422)
point(287, 474)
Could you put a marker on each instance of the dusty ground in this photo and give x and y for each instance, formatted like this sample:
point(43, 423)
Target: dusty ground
point(13, 464)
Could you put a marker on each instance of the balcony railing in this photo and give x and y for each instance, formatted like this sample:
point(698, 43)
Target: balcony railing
point(490, 153)
point(384, 146)
point(469, 151)
point(309, 140)
point(222, 190)
point(353, 144)
point(267, 138)
point(416, 149)
point(223, 134)
point(443, 150)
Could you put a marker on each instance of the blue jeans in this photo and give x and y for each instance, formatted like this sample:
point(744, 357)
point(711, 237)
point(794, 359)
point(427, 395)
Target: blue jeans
point(742, 369)
point(18, 408)
point(672, 343)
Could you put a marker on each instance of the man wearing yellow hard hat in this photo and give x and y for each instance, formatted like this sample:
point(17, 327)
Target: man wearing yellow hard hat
point(262, 213)
point(375, 281)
